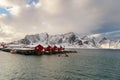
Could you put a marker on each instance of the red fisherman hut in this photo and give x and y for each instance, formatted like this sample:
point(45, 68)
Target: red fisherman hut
point(39, 48)
point(49, 48)
point(3, 45)
point(55, 48)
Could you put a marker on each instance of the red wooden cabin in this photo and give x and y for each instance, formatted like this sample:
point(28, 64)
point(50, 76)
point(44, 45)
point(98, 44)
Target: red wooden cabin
point(49, 48)
point(4, 45)
point(39, 48)
point(55, 48)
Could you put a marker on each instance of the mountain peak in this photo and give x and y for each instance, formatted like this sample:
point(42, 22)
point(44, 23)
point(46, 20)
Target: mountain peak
point(71, 39)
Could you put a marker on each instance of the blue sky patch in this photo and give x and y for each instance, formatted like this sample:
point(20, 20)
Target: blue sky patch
point(4, 11)
point(32, 1)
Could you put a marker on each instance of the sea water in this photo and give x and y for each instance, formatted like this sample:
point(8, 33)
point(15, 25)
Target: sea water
point(84, 65)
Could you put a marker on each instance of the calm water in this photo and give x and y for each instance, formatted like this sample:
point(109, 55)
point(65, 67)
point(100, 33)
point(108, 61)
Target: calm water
point(85, 65)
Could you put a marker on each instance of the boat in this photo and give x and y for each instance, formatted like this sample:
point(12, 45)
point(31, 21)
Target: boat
point(13, 51)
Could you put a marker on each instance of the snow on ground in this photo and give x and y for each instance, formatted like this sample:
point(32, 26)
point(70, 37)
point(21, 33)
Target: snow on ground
point(73, 40)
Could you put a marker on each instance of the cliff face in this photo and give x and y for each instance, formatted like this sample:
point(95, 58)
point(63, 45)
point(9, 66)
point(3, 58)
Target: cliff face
point(72, 40)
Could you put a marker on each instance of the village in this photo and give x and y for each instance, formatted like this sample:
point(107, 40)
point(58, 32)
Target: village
point(36, 49)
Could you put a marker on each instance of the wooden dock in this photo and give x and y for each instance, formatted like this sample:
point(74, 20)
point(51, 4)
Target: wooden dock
point(34, 52)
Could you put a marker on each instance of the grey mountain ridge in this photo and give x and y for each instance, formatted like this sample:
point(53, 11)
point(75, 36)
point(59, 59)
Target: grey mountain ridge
point(67, 39)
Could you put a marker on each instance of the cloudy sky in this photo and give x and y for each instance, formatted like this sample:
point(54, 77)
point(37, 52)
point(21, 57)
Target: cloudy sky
point(21, 17)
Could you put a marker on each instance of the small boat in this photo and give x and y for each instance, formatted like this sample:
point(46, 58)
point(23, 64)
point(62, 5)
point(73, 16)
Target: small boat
point(59, 55)
point(66, 55)
point(13, 51)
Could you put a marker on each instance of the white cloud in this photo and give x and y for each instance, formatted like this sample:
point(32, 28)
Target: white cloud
point(3, 3)
point(8, 33)
point(14, 10)
point(3, 15)
point(60, 16)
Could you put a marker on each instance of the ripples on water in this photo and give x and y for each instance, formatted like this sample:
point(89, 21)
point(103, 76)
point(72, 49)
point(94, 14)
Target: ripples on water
point(85, 65)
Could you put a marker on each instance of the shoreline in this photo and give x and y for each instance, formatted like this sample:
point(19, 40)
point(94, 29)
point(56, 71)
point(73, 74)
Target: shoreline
point(90, 49)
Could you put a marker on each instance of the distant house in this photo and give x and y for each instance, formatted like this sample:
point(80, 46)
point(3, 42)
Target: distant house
point(49, 48)
point(3, 45)
point(36, 47)
point(39, 48)
point(55, 48)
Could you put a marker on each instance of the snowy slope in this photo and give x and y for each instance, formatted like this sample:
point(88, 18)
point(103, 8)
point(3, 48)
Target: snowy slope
point(74, 40)
point(106, 40)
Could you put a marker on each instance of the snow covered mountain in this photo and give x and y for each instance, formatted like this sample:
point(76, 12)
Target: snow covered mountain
point(106, 40)
point(73, 40)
